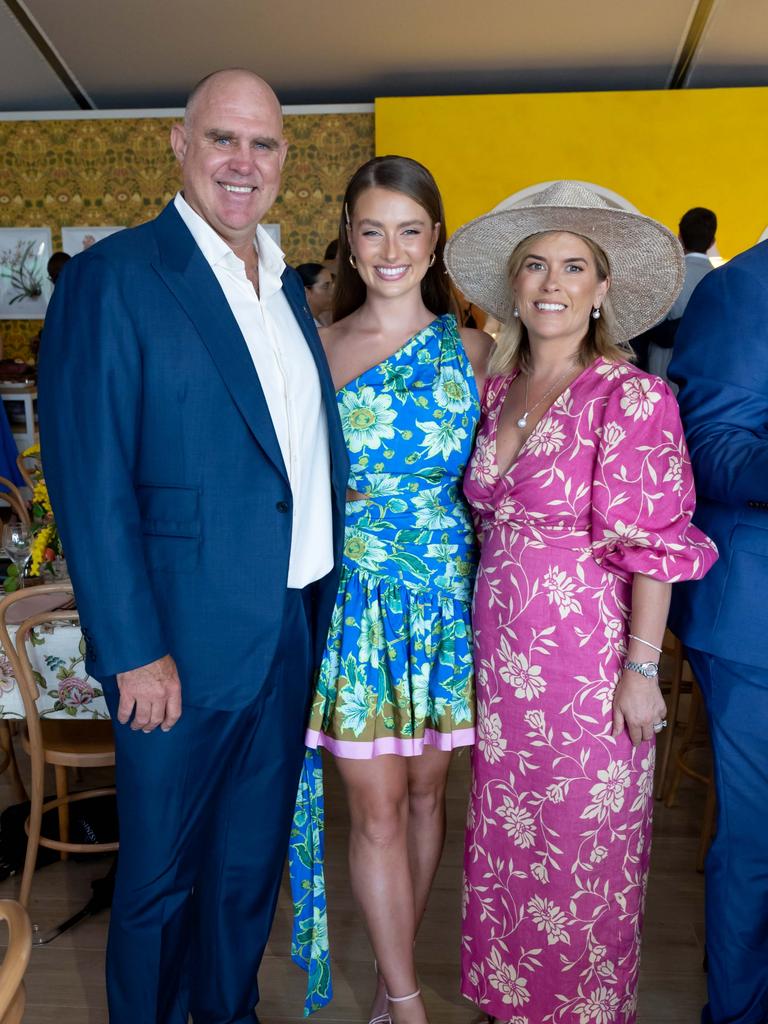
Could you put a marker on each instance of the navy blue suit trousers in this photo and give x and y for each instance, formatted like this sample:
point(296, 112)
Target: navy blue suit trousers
point(736, 697)
point(205, 813)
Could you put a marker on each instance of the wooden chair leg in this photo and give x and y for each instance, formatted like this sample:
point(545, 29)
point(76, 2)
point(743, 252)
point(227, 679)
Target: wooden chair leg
point(15, 1012)
point(63, 809)
point(673, 709)
point(685, 745)
point(34, 825)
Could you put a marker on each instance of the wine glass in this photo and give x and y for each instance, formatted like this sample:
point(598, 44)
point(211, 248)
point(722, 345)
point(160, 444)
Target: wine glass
point(17, 541)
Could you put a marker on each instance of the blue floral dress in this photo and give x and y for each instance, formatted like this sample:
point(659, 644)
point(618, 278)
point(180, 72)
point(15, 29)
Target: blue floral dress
point(397, 671)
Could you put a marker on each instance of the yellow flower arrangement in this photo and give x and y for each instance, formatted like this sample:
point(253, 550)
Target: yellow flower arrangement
point(46, 544)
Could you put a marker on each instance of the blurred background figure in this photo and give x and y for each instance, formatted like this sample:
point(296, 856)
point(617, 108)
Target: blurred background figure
point(653, 348)
point(331, 257)
point(697, 236)
point(56, 265)
point(318, 286)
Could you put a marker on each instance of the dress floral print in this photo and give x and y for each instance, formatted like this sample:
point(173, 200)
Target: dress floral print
point(397, 672)
point(558, 837)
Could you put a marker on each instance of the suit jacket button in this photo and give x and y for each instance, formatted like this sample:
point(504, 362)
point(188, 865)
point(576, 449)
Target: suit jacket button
point(282, 506)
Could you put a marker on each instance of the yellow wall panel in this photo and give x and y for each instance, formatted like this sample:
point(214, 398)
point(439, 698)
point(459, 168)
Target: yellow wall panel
point(664, 151)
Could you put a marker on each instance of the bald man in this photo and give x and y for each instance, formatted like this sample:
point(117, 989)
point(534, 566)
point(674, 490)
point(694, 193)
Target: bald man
point(197, 468)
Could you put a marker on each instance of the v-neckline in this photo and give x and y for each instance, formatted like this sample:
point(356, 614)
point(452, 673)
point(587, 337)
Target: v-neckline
point(397, 353)
point(547, 413)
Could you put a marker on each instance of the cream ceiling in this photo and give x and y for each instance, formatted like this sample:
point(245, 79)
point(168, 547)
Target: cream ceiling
point(147, 53)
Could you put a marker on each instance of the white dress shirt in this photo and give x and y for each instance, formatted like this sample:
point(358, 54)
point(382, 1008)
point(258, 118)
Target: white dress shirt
point(291, 386)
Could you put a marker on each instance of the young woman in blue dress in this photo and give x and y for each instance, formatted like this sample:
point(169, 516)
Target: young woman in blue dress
point(395, 694)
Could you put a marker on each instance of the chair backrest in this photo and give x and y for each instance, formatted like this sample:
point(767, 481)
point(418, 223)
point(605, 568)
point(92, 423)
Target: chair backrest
point(25, 463)
point(11, 494)
point(16, 648)
point(12, 998)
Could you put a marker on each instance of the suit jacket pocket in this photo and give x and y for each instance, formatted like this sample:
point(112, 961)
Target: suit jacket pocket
point(170, 521)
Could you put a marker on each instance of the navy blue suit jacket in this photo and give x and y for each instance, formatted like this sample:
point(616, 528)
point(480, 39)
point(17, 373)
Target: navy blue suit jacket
point(721, 365)
point(164, 469)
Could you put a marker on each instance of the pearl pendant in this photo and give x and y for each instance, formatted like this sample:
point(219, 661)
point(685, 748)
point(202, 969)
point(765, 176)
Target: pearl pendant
point(523, 421)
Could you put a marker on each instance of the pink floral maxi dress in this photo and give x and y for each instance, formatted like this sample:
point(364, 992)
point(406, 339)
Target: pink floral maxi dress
point(558, 834)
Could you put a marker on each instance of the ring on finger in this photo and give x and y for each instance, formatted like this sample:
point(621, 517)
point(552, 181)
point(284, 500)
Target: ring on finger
point(658, 726)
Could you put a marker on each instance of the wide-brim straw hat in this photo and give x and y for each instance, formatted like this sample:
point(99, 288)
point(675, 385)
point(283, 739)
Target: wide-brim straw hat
point(645, 259)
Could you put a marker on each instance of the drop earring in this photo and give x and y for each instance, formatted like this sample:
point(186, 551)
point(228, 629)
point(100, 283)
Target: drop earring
point(596, 313)
point(516, 312)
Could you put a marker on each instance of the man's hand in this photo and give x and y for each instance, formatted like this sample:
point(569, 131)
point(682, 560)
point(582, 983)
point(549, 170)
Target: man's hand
point(637, 705)
point(152, 693)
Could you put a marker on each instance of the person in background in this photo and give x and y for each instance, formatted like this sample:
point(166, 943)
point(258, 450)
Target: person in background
point(56, 264)
point(195, 461)
point(720, 363)
point(697, 229)
point(580, 541)
point(331, 257)
point(395, 694)
point(697, 236)
point(318, 286)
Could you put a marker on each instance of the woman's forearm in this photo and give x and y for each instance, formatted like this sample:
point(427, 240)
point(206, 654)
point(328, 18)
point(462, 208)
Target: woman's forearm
point(648, 619)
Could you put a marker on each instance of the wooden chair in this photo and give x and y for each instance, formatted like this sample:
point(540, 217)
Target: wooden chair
point(12, 994)
point(677, 679)
point(60, 743)
point(695, 737)
point(12, 496)
point(24, 462)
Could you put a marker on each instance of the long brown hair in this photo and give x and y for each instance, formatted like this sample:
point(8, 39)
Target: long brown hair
point(412, 179)
point(512, 350)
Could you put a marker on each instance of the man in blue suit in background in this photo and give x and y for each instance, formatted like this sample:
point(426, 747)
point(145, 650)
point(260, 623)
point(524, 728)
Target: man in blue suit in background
point(197, 468)
point(721, 365)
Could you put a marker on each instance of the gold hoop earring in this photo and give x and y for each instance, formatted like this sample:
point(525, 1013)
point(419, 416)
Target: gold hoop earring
point(353, 261)
point(432, 259)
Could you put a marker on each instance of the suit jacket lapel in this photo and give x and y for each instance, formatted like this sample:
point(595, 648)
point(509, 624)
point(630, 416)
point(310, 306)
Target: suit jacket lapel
point(189, 277)
point(294, 293)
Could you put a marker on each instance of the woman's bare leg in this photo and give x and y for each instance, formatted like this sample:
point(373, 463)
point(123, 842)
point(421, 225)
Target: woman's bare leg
point(427, 777)
point(377, 791)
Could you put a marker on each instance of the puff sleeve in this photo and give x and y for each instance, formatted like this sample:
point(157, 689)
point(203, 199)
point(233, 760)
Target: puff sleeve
point(643, 494)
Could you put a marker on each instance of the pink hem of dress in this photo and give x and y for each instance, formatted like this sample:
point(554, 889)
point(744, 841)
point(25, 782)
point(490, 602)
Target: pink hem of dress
point(362, 751)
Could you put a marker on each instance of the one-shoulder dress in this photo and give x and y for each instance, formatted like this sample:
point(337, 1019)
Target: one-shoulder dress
point(397, 673)
point(558, 836)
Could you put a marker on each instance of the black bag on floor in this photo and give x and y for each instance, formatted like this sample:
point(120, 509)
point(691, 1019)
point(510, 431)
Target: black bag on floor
point(90, 821)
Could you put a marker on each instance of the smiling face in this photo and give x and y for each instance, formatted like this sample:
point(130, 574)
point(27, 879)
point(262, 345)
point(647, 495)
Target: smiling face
point(392, 239)
point(231, 150)
point(557, 286)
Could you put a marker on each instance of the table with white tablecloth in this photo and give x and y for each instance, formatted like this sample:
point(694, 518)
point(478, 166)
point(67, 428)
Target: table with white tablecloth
point(57, 653)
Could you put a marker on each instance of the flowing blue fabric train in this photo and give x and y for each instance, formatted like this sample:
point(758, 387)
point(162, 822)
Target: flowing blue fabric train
point(306, 857)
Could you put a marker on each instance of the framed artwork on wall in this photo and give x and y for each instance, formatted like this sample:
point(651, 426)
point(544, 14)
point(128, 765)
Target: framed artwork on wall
point(74, 240)
point(24, 285)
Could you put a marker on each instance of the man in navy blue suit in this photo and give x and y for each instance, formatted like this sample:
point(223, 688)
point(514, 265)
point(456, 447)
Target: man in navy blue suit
point(721, 365)
point(196, 464)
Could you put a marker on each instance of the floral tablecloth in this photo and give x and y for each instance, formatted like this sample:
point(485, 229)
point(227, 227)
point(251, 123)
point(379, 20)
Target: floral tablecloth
point(58, 661)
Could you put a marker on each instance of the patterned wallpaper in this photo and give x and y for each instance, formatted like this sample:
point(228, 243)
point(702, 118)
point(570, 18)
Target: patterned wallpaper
point(69, 173)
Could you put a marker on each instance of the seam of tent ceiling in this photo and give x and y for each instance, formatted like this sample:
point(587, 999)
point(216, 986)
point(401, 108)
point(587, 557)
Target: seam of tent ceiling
point(49, 54)
point(701, 18)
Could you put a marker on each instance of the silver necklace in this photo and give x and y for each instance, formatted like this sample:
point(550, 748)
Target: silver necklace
point(523, 421)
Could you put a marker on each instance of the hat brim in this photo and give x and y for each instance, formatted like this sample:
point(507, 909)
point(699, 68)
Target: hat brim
point(646, 260)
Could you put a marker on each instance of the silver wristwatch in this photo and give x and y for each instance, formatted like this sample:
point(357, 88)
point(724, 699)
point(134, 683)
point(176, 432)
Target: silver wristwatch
point(649, 669)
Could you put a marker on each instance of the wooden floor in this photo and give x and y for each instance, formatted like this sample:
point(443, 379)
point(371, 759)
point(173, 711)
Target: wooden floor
point(65, 979)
